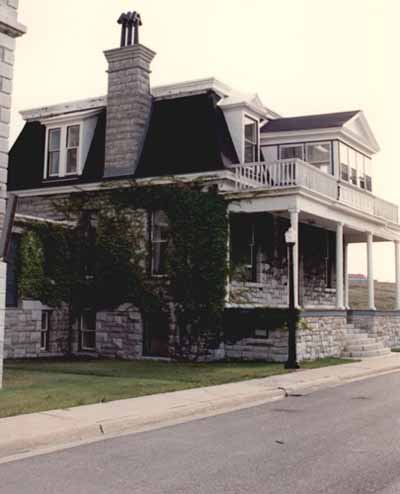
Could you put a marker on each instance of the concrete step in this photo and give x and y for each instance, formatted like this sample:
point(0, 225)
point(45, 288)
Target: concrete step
point(365, 347)
point(262, 342)
point(353, 334)
point(359, 341)
point(366, 354)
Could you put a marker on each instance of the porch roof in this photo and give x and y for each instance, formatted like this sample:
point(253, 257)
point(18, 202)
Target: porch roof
point(309, 122)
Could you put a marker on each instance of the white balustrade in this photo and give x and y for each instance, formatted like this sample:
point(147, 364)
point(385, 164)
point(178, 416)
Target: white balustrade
point(357, 198)
point(298, 173)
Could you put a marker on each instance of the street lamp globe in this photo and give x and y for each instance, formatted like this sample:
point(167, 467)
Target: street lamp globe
point(290, 236)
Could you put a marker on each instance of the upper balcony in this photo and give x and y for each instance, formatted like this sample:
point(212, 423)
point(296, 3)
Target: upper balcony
point(293, 173)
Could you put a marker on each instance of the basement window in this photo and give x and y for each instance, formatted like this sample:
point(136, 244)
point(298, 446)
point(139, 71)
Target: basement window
point(44, 332)
point(87, 327)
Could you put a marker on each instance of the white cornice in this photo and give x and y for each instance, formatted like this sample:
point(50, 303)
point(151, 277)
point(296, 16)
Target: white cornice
point(196, 86)
point(64, 108)
point(185, 88)
point(70, 117)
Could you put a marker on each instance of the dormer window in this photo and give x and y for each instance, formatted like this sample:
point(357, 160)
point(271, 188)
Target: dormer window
point(72, 148)
point(251, 147)
point(53, 159)
point(63, 151)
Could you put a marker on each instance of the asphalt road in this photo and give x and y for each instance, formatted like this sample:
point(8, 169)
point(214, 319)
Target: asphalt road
point(343, 440)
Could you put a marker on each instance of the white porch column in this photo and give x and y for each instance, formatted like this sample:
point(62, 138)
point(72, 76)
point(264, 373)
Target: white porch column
point(346, 276)
point(294, 223)
point(370, 270)
point(397, 264)
point(339, 266)
point(228, 260)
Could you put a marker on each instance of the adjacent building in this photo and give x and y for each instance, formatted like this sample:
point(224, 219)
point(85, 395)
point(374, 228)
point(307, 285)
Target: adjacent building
point(10, 29)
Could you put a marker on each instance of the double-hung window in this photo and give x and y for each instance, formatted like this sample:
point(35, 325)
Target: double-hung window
point(251, 148)
point(87, 326)
point(159, 243)
point(54, 151)
point(72, 149)
point(63, 151)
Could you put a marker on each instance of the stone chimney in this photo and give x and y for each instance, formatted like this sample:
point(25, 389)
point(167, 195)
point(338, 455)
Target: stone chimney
point(129, 100)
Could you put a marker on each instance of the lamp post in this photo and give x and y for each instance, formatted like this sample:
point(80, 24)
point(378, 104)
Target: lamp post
point(290, 238)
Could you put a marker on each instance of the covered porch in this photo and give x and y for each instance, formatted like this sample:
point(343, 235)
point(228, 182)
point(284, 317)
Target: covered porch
point(325, 231)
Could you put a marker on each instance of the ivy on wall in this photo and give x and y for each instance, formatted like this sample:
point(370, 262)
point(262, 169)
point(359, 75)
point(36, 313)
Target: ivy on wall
point(54, 259)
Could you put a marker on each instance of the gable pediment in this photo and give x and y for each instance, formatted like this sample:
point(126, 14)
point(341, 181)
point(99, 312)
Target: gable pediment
point(359, 128)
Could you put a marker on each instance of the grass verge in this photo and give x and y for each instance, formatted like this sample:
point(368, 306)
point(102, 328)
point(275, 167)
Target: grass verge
point(39, 385)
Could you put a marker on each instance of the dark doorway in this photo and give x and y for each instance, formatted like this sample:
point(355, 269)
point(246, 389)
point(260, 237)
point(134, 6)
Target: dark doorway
point(156, 335)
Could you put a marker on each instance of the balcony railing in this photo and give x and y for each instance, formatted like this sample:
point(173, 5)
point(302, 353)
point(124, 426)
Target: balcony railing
point(297, 173)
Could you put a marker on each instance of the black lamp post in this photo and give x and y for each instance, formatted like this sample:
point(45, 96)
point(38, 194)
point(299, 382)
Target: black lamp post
point(290, 238)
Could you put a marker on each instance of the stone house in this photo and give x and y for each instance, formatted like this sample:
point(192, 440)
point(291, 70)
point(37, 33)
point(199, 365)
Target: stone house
point(312, 173)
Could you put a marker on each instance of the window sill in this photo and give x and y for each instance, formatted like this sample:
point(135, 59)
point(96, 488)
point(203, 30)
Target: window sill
point(61, 179)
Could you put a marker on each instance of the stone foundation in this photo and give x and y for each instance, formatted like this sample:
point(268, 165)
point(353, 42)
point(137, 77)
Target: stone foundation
point(319, 335)
point(119, 334)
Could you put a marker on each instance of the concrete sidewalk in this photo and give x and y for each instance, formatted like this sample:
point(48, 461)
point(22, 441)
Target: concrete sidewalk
point(46, 431)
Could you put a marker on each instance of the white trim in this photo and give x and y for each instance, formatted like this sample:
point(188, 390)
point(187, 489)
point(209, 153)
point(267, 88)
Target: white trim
point(45, 330)
point(62, 172)
point(197, 85)
point(165, 91)
point(367, 129)
point(65, 119)
point(64, 108)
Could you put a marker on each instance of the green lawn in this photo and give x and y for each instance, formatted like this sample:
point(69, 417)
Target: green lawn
point(384, 295)
point(38, 385)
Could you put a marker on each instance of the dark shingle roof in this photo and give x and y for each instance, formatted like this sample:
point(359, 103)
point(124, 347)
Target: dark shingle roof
point(308, 122)
point(186, 135)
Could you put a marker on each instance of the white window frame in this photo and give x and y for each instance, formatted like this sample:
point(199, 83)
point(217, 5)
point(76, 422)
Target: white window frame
point(83, 330)
point(319, 143)
point(153, 241)
point(63, 150)
point(256, 144)
point(294, 145)
point(46, 313)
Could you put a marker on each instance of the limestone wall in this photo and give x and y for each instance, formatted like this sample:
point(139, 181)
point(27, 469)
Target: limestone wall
point(10, 29)
point(119, 333)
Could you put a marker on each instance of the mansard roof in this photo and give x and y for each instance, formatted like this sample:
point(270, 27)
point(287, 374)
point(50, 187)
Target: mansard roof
point(185, 135)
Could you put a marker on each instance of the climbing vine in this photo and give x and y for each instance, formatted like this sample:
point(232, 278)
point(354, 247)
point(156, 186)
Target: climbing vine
point(193, 292)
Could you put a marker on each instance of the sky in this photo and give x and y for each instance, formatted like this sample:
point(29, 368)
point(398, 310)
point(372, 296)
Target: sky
point(300, 56)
